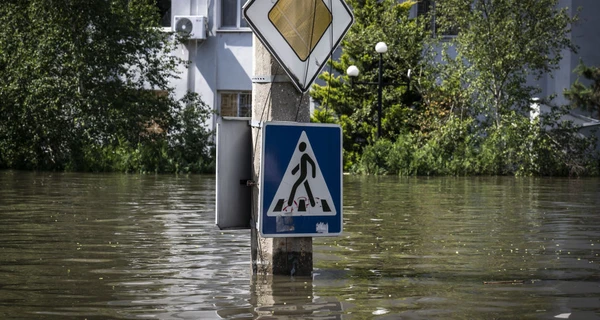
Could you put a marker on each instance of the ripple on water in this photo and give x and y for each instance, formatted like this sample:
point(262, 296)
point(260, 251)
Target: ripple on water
point(127, 247)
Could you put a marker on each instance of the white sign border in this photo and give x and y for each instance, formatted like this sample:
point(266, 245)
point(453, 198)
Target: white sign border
point(259, 215)
point(258, 10)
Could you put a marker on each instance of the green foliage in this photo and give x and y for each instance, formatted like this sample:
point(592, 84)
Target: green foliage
point(190, 143)
point(467, 108)
point(355, 107)
point(460, 147)
point(78, 89)
point(374, 159)
point(499, 45)
point(582, 96)
point(185, 149)
point(386, 157)
point(451, 151)
point(322, 115)
point(483, 76)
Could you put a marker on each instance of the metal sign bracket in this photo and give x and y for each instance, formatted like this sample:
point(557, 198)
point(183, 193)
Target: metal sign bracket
point(271, 78)
point(255, 124)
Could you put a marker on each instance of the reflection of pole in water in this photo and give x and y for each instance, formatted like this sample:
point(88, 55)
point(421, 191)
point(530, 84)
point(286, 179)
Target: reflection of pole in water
point(284, 296)
point(302, 166)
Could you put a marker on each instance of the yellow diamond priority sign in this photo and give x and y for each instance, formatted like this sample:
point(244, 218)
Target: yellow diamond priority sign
point(301, 31)
point(300, 34)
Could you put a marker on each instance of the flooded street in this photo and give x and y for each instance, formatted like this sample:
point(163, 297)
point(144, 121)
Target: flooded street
point(114, 246)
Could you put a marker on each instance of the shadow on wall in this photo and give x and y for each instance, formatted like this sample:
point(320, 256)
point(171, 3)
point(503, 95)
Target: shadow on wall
point(234, 61)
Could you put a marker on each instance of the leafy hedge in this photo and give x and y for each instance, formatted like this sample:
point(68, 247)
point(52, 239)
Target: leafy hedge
point(458, 147)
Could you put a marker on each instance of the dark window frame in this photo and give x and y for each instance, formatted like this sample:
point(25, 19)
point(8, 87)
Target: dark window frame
point(164, 10)
point(243, 103)
point(427, 7)
point(232, 8)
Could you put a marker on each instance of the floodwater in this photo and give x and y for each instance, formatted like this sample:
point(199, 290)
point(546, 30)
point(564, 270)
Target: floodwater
point(111, 246)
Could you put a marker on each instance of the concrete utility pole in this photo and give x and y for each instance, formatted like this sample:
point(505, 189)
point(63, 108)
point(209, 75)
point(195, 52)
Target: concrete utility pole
point(275, 101)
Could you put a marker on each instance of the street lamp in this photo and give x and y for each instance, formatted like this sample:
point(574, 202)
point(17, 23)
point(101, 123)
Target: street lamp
point(353, 72)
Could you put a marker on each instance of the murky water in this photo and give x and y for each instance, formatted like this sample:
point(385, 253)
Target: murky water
point(92, 246)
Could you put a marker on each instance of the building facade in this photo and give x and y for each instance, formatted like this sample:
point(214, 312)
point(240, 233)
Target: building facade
point(220, 67)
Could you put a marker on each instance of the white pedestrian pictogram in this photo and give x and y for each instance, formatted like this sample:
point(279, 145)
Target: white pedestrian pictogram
point(302, 190)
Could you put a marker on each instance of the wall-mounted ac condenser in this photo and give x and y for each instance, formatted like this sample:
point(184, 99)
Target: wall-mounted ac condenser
point(194, 27)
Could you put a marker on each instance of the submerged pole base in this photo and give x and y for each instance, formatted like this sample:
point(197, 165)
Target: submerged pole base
point(282, 256)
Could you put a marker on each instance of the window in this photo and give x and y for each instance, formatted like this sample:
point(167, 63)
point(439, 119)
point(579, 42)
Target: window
point(231, 14)
point(235, 104)
point(164, 9)
point(425, 7)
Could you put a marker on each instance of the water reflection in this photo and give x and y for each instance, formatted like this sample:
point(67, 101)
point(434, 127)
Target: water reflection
point(107, 246)
point(424, 247)
point(115, 246)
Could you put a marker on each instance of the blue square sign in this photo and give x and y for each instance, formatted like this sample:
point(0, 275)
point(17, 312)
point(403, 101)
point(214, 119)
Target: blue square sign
point(301, 180)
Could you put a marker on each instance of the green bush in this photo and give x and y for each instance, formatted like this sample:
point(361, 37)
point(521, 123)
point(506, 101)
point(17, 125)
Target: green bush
point(400, 159)
point(462, 147)
point(186, 148)
point(374, 159)
point(86, 88)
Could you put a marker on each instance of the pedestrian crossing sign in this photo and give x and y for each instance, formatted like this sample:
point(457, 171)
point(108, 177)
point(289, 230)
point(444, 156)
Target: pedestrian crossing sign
point(301, 180)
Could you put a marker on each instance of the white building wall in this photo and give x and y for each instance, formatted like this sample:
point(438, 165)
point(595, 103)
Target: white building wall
point(221, 62)
point(585, 35)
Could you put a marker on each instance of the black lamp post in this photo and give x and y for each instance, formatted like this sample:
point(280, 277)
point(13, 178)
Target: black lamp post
point(353, 72)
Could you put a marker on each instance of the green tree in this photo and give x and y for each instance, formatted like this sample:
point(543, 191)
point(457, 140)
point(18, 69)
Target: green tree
point(499, 45)
point(84, 84)
point(355, 106)
point(582, 96)
point(485, 73)
point(476, 95)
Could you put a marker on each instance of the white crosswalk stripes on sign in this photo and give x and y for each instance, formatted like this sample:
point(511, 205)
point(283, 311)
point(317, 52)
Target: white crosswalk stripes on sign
point(302, 191)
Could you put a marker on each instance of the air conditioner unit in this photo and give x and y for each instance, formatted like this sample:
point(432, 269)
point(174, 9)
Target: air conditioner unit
point(194, 27)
